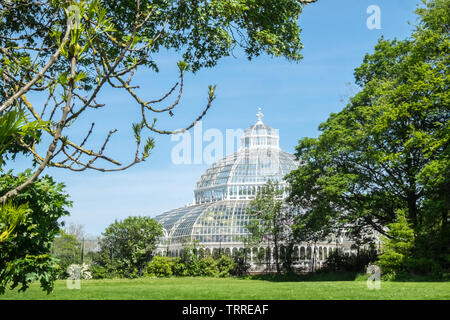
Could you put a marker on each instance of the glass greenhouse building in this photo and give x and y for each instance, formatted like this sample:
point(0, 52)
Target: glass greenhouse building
point(217, 219)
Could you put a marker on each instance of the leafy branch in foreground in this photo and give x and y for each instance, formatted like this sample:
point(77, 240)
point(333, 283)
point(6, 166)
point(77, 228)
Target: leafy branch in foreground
point(57, 56)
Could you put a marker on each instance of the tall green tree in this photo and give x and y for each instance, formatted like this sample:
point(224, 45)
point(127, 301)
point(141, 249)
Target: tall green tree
point(67, 249)
point(56, 58)
point(388, 149)
point(128, 245)
point(398, 248)
point(270, 220)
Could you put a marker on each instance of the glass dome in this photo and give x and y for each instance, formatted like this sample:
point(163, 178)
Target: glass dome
point(226, 188)
point(240, 175)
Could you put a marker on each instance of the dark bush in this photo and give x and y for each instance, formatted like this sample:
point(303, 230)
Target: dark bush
point(338, 261)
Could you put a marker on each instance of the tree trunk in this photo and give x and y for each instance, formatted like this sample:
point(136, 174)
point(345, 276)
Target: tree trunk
point(412, 208)
point(276, 256)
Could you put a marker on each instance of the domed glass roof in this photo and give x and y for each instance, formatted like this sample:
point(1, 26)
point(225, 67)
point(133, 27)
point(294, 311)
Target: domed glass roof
point(239, 176)
point(226, 188)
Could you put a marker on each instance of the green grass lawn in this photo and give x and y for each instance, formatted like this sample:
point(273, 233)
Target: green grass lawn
point(234, 289)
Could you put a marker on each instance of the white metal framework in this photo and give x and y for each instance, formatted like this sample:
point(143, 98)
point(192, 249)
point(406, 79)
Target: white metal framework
point(217, 219)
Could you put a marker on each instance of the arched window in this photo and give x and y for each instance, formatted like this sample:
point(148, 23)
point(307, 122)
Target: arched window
point(295, 254)
point(261, 255)
point(268, 253)
point(302, 253)
point(282, 253)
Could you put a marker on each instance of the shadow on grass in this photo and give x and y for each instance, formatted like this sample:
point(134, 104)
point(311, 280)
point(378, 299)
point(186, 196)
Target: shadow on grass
point(344, 276)
point(331, 276)
point(406, 277)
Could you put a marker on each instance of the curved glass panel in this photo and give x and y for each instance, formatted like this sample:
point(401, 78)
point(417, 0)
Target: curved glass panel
point(226, 188)
point(221, 221)
point(231, 177)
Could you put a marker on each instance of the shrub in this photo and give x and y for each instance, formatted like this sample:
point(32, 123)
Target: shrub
point(99, 272)
point(225, 266)
point(208, 267)
point(179, 268)
point(160, 266)
point(192, 267)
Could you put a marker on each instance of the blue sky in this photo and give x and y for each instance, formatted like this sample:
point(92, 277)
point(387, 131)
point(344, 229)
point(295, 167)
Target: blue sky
point(295, 98)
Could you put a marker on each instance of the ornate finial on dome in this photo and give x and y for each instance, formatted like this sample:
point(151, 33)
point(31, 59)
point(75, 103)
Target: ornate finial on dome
point(259, 115)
